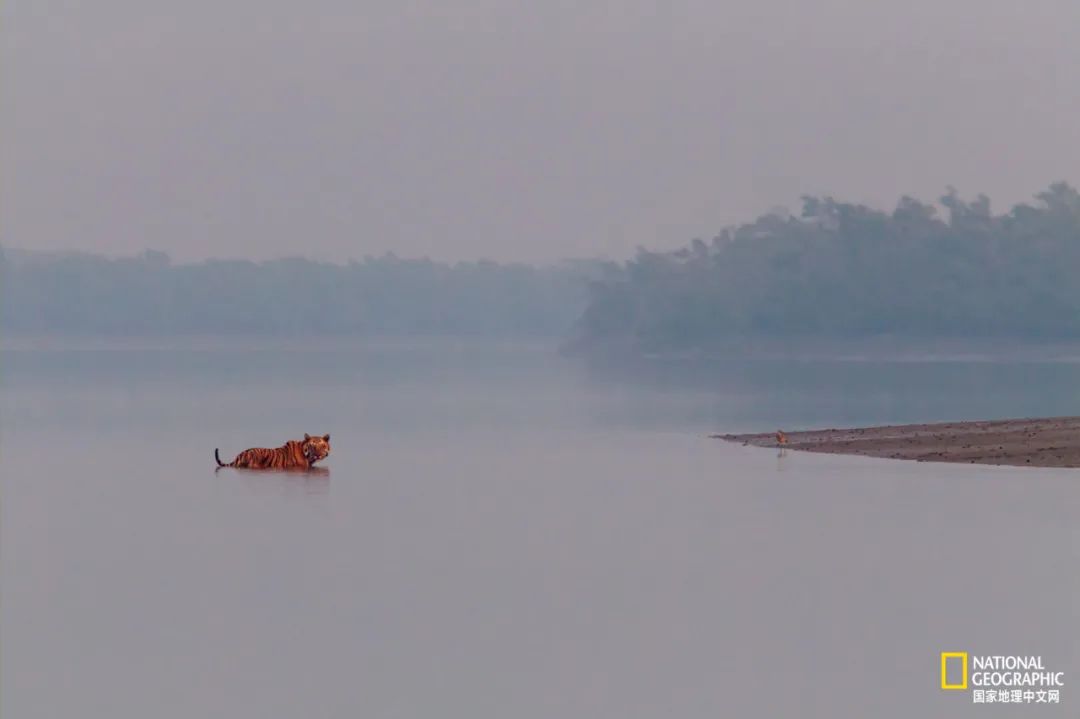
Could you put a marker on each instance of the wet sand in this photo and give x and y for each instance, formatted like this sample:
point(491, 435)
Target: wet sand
point(1043, 442)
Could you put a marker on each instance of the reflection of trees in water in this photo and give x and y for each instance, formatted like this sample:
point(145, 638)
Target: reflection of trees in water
point(740, 394)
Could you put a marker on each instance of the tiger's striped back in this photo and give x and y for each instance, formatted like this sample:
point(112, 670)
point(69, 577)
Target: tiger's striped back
point(293, 454)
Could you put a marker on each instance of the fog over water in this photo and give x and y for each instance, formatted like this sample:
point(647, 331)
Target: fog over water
point(503, 532)
point(282, 214)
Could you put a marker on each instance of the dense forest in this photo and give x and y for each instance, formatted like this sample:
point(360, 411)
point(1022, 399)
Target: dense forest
point(848, 271)
point(83, 294)
point(838, 270)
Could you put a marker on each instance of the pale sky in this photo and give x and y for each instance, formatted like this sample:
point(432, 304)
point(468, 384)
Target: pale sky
point(510, 130)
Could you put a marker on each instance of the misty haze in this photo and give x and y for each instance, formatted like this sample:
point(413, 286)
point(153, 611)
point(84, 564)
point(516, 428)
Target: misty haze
point(487, 130)
point(572, 287)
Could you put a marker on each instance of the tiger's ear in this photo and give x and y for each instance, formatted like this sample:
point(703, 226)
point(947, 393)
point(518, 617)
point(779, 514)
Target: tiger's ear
point(306, 436)
point(326, 437)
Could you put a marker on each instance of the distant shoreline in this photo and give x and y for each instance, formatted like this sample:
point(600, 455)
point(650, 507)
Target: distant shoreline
point(240, 342)
point(1036, 442)
point(907, 349)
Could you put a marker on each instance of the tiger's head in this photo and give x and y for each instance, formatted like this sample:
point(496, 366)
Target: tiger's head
point(315, 448)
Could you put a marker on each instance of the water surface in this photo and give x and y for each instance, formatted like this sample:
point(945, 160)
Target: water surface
point(506, 533)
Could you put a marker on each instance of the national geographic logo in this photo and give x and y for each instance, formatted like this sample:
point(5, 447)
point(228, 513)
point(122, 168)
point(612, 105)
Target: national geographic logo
point(1002, 678)
point(960, 683)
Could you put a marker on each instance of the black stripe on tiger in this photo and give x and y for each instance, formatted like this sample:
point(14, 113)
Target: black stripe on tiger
point(294, 454)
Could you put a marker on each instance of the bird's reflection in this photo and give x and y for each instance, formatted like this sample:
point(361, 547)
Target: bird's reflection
point(781, 455)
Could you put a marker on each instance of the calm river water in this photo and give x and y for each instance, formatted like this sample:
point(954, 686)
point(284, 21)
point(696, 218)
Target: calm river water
point(505, 533)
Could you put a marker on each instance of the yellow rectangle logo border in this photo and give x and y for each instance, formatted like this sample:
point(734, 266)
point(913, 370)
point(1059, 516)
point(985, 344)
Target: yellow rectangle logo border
point(945, 657)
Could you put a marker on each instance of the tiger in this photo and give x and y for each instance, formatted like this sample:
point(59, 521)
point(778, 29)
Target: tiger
point(294, 454)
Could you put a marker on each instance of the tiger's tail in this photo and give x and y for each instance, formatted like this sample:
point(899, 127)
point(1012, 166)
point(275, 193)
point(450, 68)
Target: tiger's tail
point(218, 458)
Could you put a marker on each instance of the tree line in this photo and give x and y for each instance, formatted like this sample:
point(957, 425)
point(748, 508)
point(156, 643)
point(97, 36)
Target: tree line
point(845, 270)
point(86, 294)
point(837, 270)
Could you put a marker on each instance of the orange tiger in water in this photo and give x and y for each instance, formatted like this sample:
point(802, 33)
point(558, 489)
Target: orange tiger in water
point(293, 454)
